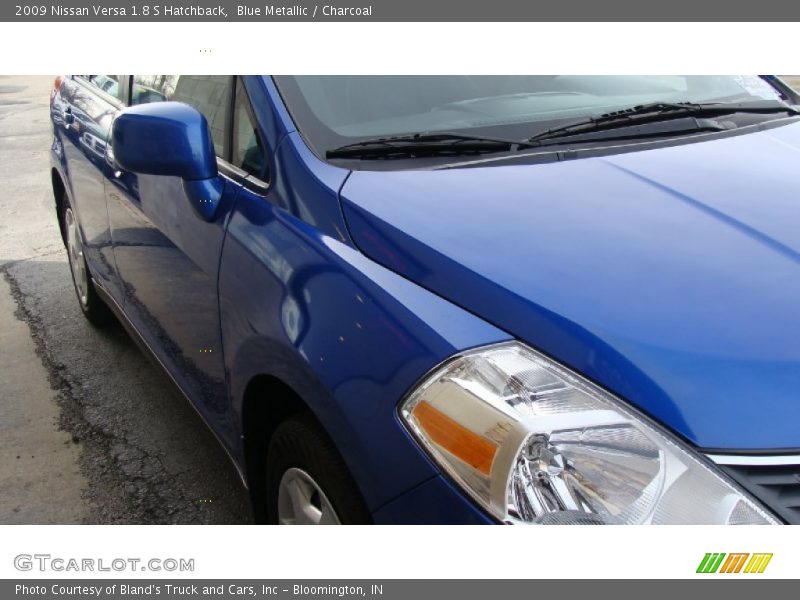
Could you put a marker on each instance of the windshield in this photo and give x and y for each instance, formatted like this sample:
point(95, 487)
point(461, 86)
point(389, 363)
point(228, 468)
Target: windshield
point(334, 110)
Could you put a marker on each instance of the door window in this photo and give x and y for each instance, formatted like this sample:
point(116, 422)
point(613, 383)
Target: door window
point(248, 148)
point(108, 84)
point(209, 94)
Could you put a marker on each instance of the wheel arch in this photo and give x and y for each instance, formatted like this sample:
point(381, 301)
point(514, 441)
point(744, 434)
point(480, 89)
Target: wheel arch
point(59, 191)
point(266, 403)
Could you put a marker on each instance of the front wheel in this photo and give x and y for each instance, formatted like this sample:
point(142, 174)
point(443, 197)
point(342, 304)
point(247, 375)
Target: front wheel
point(307, 481)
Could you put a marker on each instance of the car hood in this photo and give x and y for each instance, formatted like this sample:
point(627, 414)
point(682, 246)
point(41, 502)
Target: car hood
point(669, 276)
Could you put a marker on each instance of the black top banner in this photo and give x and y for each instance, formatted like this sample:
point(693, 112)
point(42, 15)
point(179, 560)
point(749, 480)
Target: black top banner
point(403, 10)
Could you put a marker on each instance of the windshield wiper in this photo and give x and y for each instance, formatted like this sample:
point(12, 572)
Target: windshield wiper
point(426, 144)
point(644, 120)
point(659, 111)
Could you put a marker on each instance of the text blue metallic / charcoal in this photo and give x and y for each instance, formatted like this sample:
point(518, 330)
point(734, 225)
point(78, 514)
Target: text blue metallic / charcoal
point(650, 273)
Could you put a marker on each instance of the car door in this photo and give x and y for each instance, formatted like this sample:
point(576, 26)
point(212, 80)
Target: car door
point(87, 106)
point(168, 255)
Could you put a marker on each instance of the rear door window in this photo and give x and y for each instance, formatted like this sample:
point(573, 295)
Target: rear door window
point(107, 84)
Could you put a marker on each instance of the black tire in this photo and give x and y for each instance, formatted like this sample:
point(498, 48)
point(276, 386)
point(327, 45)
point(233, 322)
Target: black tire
point(300, 443)
point(92, 306)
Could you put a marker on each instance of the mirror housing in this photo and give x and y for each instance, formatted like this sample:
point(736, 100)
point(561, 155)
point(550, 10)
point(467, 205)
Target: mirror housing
point(171, 139)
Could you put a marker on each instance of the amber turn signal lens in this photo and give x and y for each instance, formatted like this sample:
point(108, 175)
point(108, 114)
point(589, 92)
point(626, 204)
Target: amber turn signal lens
point(468, 446)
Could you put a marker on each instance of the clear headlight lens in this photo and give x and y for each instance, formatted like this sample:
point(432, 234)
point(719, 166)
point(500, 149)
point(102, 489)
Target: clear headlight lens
point(535, 443)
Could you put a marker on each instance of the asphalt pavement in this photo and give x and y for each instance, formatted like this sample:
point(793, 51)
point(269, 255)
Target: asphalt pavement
point(90, 431)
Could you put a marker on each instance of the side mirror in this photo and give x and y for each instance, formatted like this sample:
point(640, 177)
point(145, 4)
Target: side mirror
point(170, 138)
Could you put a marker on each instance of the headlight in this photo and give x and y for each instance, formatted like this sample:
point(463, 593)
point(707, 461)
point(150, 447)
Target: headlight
point(534, 443)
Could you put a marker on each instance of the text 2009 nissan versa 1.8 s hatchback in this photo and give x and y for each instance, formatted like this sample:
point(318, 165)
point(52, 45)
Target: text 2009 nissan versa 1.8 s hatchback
point(527, 299)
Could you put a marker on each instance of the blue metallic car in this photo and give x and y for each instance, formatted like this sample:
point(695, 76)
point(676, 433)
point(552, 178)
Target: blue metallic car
point(454, 299)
